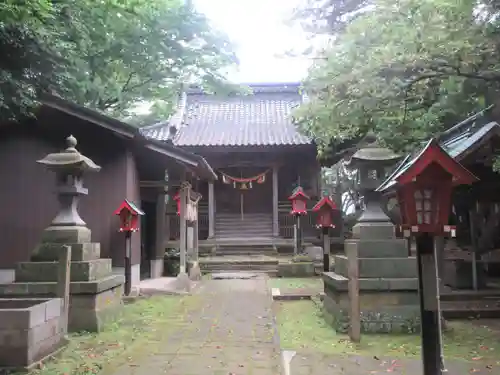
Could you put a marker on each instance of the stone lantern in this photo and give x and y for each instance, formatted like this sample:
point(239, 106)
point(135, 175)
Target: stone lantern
point(372, 162)
point(69, 166)
point(95, 293)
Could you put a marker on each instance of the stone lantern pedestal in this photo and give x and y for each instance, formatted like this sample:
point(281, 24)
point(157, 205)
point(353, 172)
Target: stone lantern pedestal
point(388, 280)
point(95, 292)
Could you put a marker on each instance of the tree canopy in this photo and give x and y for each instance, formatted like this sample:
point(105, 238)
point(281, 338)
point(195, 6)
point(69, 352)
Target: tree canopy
point(108, 55)
point(404, 69)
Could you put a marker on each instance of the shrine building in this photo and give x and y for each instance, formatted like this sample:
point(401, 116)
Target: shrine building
point(259, 157)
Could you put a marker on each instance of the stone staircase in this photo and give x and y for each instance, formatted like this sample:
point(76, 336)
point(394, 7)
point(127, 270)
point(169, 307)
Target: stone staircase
point(251, 225)
point(238, 263)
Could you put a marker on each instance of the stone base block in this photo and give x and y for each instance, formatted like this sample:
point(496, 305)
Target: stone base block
point(79, 251)
point(381, 312)
point(379, 231)
point(92, 312)
point(30, 330)
point(194, 271)
point(337, 282)
point(303, 269)
point(92, 303)
point(380, 267)
point(66, 235)
point(388, 248)
point(47, 271)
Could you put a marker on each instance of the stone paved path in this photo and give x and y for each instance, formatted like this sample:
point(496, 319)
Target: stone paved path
point(316, 364)
point(232, 333)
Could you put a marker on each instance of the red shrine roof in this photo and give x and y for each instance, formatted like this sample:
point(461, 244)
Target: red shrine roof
point(262, 118)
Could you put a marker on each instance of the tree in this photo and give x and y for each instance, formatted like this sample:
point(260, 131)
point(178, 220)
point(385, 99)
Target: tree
point(29, 62)
point(121, 53)
point(406, 70)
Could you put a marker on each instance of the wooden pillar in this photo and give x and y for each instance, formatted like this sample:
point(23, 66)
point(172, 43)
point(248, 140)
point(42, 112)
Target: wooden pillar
point(276, 229)
point(156, 264)
point(211, 210)
point(184, 196)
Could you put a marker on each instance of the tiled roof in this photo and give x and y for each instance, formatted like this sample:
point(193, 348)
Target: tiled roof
point(259, 119)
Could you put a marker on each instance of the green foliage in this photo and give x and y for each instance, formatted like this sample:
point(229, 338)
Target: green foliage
point(117, 53)
point(406, 70)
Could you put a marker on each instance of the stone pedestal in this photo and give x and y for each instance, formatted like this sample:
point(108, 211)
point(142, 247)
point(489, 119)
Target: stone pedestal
point(95, 293)
point(388, 283)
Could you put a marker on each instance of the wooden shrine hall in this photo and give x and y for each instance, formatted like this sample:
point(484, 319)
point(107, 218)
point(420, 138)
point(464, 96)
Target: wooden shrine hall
point(259, 157)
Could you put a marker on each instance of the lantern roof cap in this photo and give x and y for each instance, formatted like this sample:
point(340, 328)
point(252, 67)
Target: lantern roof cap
point(130, 206)
point(324, 202)
point(411, 166)
point(70, 157)
point(373, 151)
point(298, 192)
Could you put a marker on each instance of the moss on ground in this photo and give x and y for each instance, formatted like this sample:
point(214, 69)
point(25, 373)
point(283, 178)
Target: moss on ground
point(302, 328)
point(296, 283)
point(132, 336)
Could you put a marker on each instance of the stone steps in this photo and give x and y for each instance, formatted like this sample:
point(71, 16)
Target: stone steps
point(230, 264)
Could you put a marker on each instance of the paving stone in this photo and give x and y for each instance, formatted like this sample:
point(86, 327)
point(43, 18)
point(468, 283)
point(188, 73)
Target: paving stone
point(232, 332)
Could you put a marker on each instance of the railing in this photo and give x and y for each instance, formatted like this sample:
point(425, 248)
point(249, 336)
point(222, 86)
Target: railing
point(287, 221)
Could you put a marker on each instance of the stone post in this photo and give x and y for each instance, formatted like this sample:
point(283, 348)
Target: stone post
point(211, 210)
point(275, 202)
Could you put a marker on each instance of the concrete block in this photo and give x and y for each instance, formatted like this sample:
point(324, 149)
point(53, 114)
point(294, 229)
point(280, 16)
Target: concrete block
point(65, 235)
point(380, 267)
point(386, 248)
point(48, 271)
point(373, 231)
point(79, 251)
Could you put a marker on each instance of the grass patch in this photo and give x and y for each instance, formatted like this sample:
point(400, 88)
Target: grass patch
point(302, 328)
point(142, 326)
point(296, 282)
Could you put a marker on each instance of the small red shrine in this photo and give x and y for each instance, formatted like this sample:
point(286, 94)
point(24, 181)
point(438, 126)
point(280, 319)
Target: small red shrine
point(129, 216)
point(299, 202)
point(324, 210)
point(423, 186)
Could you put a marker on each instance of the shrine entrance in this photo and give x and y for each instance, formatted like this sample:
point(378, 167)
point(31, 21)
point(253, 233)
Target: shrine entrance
point(244, 191)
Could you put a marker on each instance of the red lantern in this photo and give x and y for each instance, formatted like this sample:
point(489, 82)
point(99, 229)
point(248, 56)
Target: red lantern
point(129, 216)
point(324, 209)
point(423, 187)
point(299, 202)
point(177, 199)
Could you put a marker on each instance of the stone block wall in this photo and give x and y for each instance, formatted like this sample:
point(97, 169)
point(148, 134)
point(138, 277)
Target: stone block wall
point(30, 329)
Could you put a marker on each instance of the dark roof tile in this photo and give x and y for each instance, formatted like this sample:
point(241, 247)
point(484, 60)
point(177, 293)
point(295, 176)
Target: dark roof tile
point(260, 119)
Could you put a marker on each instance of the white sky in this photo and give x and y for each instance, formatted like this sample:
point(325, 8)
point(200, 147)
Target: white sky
point(258, 30)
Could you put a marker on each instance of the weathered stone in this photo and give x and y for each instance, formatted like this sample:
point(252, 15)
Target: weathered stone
point(47, 271)
point(30, 329)
point(66, 235)
point(315, 253)
point(380, 267)
point(386, 248)
point(79, 251)
point(376, 315)
point(304, 269)
point(338, 282)
point(373, 231)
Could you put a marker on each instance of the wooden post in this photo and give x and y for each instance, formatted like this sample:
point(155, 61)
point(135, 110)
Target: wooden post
point(184, 195)
point(211, 210)
point(326, 250)
point(473, 237)
point(161, 212)
point(353, 286)
point(275, 202)
point(63, 283)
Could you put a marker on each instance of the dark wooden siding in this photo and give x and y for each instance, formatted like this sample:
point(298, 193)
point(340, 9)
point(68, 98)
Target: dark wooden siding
point(28, 202)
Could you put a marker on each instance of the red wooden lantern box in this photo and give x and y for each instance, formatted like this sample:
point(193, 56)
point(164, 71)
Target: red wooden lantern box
point(177, 199)
point(299, 202)
point(324, 209)
point(423, 187)
point(129, 216)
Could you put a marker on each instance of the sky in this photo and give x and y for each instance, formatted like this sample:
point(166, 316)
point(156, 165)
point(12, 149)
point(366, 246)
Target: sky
point(257, 29)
